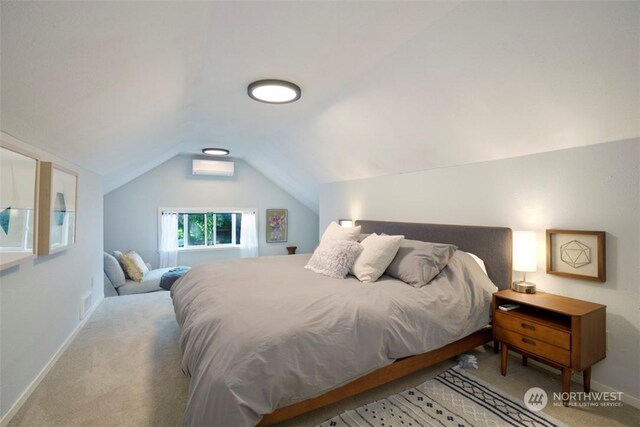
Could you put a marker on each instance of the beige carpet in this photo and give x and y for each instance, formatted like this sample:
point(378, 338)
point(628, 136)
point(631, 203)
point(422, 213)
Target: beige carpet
point(123, 368)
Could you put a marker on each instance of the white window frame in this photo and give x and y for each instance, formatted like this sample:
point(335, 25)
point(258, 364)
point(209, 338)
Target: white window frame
point(220, 246)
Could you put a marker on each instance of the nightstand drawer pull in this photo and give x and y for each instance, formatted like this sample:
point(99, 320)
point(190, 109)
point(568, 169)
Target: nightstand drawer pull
point(528, 341)
point(526, 326)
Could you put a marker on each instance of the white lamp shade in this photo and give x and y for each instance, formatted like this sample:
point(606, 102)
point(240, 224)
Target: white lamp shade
point(346, 223)
point(524, 251)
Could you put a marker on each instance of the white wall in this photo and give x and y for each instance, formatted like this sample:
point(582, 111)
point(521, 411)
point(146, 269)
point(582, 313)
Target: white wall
point(40, 299)
point(591, 188)
point(131, 211)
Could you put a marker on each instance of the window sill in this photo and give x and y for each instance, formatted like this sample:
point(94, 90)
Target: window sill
point(208, 248)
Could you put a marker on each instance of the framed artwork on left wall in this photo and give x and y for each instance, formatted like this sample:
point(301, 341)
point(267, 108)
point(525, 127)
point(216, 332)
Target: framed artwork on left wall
point(58, 199)
point(18, 205)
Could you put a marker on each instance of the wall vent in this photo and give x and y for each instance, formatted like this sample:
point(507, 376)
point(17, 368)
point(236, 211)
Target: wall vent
point(212, 167)
point(85, 304)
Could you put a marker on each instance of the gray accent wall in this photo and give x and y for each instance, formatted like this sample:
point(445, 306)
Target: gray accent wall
point(131, 211)
point(40, 299)
point(591, 188)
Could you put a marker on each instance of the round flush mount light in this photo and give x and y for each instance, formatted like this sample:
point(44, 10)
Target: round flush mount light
point(274, 91)
point(215, 151)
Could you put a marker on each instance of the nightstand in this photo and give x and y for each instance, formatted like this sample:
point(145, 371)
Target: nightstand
point(566, 333)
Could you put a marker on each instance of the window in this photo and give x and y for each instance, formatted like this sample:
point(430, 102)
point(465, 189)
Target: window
point(198, 229)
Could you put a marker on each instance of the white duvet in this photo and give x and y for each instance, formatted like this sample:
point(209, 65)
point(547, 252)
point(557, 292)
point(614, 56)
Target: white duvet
point(263, 333)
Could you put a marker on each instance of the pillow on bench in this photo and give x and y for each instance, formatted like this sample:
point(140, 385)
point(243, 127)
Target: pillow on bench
point(113, 270)
point(134, 265)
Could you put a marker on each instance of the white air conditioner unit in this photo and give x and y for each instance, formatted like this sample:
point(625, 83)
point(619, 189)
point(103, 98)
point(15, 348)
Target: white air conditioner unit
point(212, 167)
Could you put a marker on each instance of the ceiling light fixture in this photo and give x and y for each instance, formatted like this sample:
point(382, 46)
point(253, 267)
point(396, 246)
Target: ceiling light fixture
point(274, 91)
point(215, 151)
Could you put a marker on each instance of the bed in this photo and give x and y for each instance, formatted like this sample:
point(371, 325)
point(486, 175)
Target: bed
point(265, 340)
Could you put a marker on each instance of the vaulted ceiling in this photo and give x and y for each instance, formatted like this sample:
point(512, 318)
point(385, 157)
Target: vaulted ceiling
point(388, 87)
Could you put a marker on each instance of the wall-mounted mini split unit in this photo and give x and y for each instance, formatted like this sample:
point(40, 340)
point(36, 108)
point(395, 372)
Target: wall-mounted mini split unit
point(212, 167)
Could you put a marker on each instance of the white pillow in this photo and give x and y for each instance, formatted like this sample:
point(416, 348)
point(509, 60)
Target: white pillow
point(377, 254)
point(480, 262)
point(337, 232)
point(334, 258)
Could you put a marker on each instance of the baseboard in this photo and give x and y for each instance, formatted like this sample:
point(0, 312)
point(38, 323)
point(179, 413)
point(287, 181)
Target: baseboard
point(595, 385)
point(34, 384)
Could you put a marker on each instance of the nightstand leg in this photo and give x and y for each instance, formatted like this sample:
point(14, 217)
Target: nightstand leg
point(503, 358)
point(496, 346)
point(524, 360)
point(566, 385)
point(586, 379)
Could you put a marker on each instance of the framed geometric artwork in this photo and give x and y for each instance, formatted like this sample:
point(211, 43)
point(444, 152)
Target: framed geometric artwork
point(57, 218)
point(277, 225)
point(577, 254)
point(18, 205)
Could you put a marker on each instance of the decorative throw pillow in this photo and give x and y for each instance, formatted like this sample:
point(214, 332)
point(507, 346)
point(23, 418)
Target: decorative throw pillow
point(377, 254)
point(134, 265)
point(118, 255)
point(334, 258)
point(113, 270)
point(337, 232)
point(417, 263)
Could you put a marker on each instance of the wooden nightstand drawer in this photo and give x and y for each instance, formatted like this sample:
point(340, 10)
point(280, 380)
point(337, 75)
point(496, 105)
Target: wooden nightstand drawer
point(534, 346)
point(526, 325)
point(567, 333)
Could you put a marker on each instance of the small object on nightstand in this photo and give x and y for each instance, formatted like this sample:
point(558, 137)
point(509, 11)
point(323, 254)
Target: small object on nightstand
point(509, 307)
point(565, 333)
point(292, 250)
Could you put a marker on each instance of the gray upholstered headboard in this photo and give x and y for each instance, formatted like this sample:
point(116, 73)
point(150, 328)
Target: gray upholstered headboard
point(491, 244)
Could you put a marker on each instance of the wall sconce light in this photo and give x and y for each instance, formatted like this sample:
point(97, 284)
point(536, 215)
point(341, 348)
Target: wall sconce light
point(524, 259)
point(346, 223)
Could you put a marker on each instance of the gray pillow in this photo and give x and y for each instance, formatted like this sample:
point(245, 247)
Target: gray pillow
point(417, 263)
point(113, 271)
point(117, 255)
point(334, 258)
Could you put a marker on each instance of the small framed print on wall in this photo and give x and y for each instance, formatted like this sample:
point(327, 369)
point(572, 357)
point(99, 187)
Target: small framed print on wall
point(577, 254)
point(277, 225)
point(57, 218)
point(18, 205)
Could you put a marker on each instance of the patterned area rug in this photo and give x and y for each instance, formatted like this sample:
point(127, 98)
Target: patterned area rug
point(453, 398)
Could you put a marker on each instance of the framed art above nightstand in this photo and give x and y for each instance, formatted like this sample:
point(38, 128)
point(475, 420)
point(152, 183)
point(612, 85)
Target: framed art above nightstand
point(577, 254)
point(566, 333)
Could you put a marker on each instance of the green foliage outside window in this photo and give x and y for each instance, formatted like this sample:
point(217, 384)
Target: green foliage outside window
point(209, 229)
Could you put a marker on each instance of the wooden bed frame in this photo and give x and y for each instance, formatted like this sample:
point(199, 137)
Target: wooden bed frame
point(492, 244)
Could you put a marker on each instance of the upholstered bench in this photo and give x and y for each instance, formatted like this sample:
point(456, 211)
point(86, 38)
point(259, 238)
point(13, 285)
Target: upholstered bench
point(116, 282)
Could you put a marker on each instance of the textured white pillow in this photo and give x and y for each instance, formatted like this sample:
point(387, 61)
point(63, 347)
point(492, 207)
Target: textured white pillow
point(337, 232)
point(377, 254)
point(334, 258)
point(134, 265)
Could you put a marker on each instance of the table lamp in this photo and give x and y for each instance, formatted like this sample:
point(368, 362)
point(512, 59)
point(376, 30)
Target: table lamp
point(346, 223)
point(524, 259)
